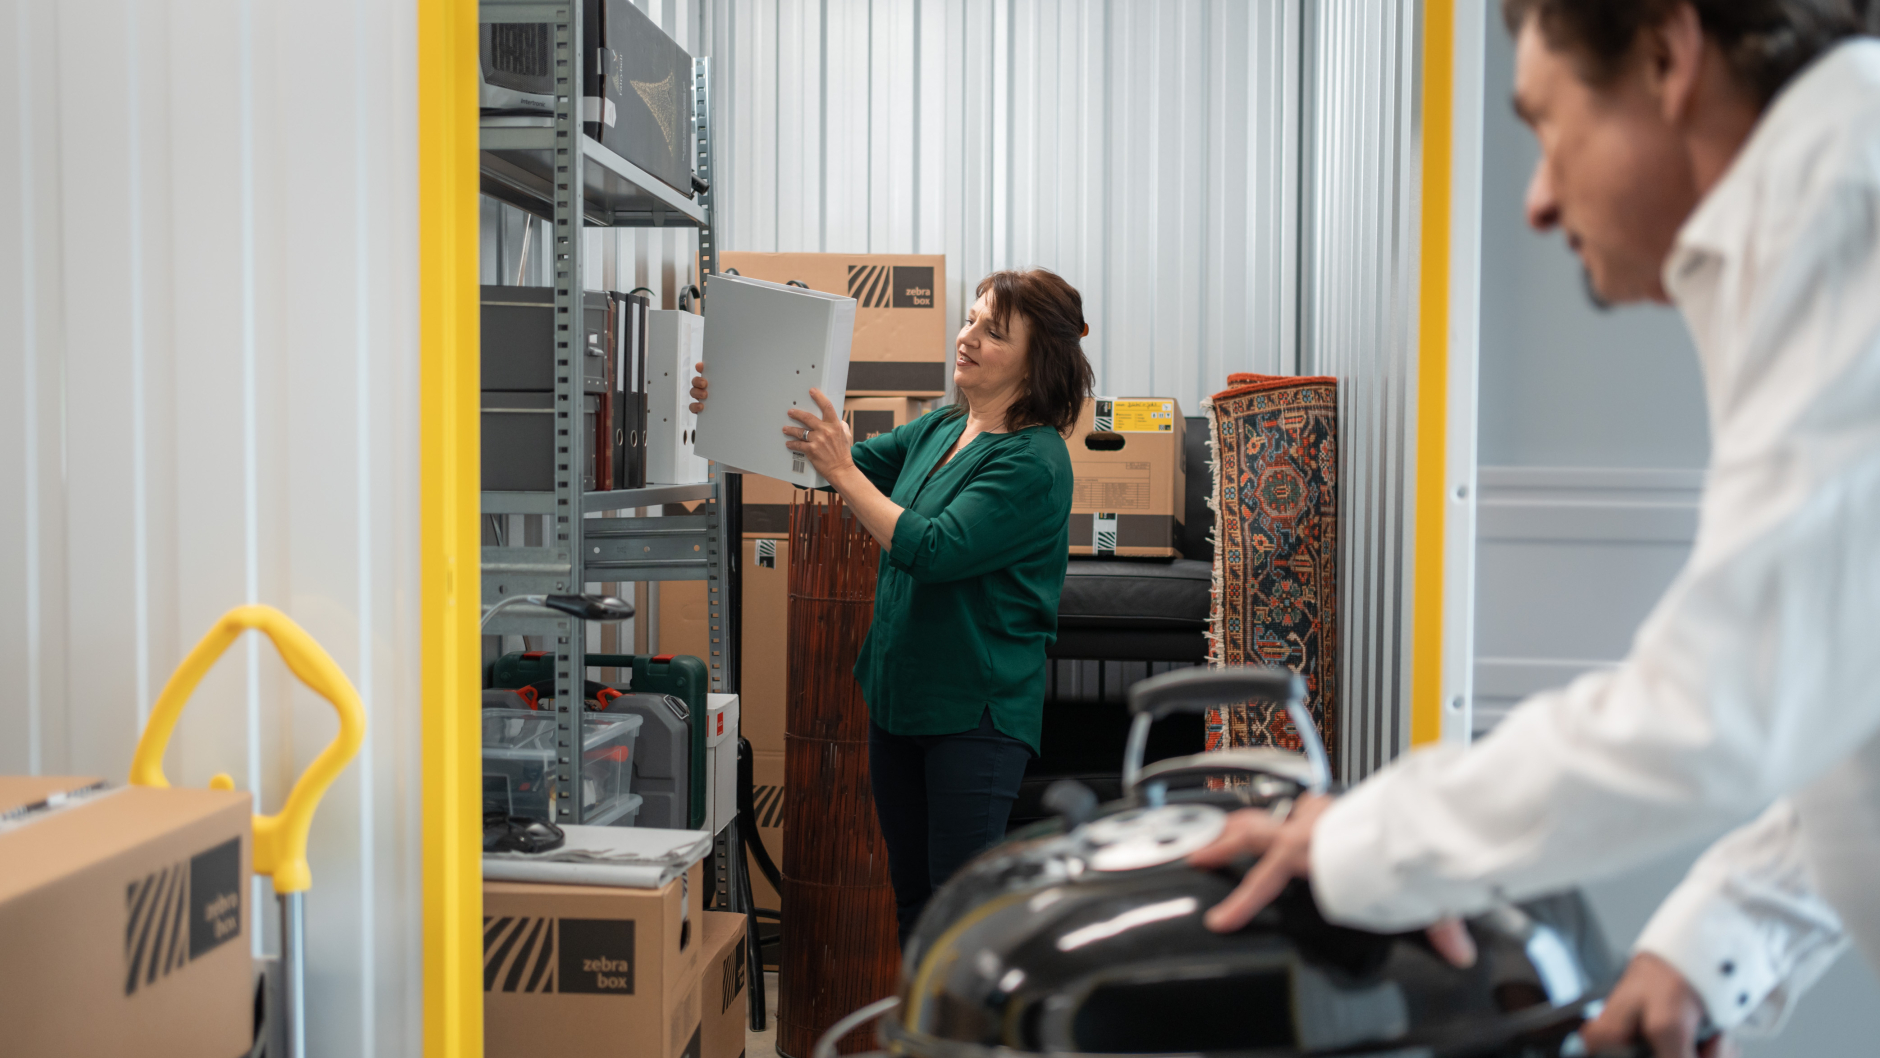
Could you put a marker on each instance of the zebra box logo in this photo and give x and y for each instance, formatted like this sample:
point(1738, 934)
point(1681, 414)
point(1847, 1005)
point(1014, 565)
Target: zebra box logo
point(597, 956)
point(892, 286)
point(181, 913)
point(545, 954)
point(732, 973)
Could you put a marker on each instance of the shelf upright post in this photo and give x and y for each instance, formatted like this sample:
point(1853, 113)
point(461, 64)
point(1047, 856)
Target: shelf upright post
point(571, 440)
point(721, 584)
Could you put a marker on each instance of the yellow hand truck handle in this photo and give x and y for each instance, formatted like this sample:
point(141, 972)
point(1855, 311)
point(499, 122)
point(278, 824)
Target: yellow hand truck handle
point(280, 840)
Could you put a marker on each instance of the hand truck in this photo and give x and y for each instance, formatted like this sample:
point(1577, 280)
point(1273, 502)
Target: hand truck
point(280, 841)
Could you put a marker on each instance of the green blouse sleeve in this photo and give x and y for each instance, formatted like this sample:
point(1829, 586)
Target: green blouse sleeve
point(989, 523)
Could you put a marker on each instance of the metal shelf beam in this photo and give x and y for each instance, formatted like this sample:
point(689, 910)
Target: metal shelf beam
point(516, 153)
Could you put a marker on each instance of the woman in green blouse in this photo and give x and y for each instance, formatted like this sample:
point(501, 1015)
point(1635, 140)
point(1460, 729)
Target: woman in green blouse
point(971, 505)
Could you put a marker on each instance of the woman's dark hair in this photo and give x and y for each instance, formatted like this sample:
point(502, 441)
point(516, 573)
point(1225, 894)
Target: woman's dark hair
point(1766, 42)
point(1058, 376)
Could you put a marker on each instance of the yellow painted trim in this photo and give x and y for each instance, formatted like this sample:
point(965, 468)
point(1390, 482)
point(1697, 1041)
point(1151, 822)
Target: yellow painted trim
point(1426, 663)
point(449, 600)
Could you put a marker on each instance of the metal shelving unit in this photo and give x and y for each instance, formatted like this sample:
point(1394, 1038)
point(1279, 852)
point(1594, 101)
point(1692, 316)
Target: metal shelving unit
point(548, 166)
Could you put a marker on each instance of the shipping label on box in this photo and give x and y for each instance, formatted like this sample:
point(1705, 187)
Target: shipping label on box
point(1131, 478)
point(1135, 416)
point(901, 345)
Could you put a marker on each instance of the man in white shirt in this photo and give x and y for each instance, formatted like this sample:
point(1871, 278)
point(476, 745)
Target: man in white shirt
point(1722, 155)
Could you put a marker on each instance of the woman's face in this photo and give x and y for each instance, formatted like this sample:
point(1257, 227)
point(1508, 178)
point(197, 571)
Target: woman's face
point(987, 358)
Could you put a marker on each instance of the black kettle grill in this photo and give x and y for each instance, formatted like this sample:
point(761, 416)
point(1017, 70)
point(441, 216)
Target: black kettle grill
point(1083, 935)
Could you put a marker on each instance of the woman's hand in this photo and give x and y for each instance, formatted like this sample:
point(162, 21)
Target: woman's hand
point(699, 389)
point(825, 441)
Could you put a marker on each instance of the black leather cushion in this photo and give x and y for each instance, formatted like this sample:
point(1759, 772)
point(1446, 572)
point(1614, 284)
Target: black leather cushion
point(1143, 595)
point(1135, 610)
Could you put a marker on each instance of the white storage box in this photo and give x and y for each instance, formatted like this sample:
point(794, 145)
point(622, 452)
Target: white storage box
point(675, 343)
point(721, 760)
point(766, 344)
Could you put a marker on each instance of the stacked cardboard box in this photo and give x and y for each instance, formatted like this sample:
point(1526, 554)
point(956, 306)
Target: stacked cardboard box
point(642, 973)
point(900, 347)
point(124, 919)
point(1131, 476)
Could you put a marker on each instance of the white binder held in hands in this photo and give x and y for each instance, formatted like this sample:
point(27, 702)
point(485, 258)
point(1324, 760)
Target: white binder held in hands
point(766, 345)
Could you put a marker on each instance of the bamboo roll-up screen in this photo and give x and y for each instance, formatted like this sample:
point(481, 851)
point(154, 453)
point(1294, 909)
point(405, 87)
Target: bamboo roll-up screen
point(839, 948)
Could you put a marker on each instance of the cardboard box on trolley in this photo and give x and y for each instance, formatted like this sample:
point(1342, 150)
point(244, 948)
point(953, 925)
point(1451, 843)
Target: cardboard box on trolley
point(1131, 476)
point(124, 919)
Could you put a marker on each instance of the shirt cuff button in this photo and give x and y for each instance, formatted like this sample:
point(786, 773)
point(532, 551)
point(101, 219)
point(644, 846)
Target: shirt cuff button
point(1727, 968)
point(1742, 999)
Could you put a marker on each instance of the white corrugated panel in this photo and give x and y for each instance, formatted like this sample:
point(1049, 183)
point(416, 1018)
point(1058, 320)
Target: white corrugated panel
point(208, 292)
point(1358, 322)
point(1147, 151)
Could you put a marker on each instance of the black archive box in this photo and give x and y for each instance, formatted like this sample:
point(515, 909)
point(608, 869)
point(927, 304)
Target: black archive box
point(642, 82)
point(628, 342)
point(518, 344)
point(520, 441)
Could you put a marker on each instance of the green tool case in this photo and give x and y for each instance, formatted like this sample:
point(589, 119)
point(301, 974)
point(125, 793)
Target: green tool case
point(680, 675)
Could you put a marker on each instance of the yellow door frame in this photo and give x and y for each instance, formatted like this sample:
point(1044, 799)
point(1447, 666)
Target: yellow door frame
point(1433, 370)
point(450, 558)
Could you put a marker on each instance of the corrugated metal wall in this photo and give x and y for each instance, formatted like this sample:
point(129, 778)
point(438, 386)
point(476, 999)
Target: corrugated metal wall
point(1358, 322)
point(208, 293)
point(1145, 149)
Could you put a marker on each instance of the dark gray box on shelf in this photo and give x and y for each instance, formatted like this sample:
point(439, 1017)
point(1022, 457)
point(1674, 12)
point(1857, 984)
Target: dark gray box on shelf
point(643, 81)
point(662, 761)
point(519, 441)
point(518, 344)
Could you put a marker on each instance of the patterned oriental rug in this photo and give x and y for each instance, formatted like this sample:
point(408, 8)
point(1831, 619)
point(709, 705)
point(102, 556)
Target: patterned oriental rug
point(1275, 496)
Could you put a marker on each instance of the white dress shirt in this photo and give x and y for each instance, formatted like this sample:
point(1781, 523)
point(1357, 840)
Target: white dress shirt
point(1756, 679)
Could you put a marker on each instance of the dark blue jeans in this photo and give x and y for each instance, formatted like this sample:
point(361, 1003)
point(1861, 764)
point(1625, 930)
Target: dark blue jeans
point(941, 800)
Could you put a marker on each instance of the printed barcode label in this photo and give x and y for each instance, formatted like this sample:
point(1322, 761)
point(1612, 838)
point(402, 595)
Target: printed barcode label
point(1103, 534)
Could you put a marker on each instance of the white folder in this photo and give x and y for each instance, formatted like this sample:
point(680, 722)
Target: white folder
point(675, 343)
point(766, 344)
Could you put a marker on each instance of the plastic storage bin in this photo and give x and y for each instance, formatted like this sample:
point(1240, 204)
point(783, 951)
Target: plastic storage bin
point(519, 776)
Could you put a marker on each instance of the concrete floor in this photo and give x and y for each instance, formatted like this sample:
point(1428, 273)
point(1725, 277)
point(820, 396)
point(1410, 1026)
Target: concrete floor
point(764, 1044)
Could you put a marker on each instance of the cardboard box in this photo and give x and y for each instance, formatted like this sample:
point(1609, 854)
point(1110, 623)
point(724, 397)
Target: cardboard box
point(764, 663)
point(766, 508)
point(1131, 475)
point(570, 969)
point(124, 921)
point(723, 986)
point(901, 345)
point(869, 416)
point(767, 803)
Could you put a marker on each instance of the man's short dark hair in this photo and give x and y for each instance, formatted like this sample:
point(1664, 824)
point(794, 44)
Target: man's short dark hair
point(1766, 42)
